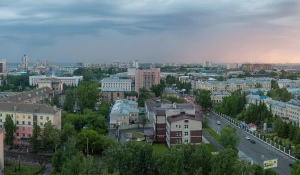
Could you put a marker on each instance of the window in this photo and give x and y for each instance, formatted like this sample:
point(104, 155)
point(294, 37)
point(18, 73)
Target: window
point(186, 133)
point(23, 128)
point(29, 123)
point(17, 116)
point(23, 122)
point(179, 141)
point(0, 120)
point(17, 134)
point(176, 141)
point(29, 117)
point(186, 140)
point(41, 117)
point(17, 122)
point(179, 134)
point(29, 135)
point(23, 135)
point(0, 114)
point(47, 118)
point(176, 133)
point(179, 126)
point(41, 123)
point(23, 116)
point(186, 126)
point(186, 121)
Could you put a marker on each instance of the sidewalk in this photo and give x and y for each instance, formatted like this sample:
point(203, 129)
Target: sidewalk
point(47, 170)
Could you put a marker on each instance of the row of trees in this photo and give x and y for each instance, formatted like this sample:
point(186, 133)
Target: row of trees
point(203, 98)
point(172, 80)
point(232, 105)
point(173, 99)
point(135, 158)
point(143, 96)
point(15, 83)
point(85, 96)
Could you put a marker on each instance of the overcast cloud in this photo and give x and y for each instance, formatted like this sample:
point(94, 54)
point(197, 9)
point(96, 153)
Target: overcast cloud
point(151, 30)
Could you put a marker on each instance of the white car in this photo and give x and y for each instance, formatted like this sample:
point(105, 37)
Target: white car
point(218, 122)
point(247, 137)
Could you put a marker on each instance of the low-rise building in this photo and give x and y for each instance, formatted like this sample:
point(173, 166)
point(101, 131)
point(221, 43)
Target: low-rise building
point(111, 94)
point(54, 84)
point(116, 82)
point(277, 108)
point(70, 81)
point(293, 111)
point(254, 98)
point(123, 112)
point(283, 83)
point(25, 116)
point(217, 97)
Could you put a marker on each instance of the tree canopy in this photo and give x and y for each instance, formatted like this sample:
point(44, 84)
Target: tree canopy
point(203, 98)
point(229, 137)
point(10, 129)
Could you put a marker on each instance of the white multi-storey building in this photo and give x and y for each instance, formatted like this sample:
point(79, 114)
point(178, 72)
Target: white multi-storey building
point(116, 82)
point(283, 83)
point(217, 97)
point(293, 110)
point(70, 81)
point(277, 108)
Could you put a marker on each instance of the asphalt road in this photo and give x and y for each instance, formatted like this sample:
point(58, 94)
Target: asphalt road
point(253, 152)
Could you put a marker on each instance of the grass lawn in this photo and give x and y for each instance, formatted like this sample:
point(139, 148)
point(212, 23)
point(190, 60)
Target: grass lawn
point(53, 172)
point(159, 148)
point(25, 169)
point(211, 148)
point(213, 134)
point(137, 135)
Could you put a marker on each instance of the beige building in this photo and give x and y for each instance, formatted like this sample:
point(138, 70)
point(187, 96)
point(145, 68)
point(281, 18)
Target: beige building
point(111, 94)
point(217, 97)
point(278, 108)
point(26, 115)
point(54, 84)
point(146, 78)
point(3, 66)
point(293, 111)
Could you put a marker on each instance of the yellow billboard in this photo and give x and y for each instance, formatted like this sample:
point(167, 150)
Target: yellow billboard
point(270, 163)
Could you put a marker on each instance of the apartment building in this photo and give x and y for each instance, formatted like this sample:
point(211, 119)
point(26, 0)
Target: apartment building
point(111, 94)
point(278, 108)
point(42, 95)
point(3, 66)
point(146, 78)
point(25, 116)
point(54, 84)
point(235, 84)
point(255, 98)
point(293, 111)
point(183, 128)
point(70, 81)
point(116, 82)
point(283, 83)
point(257, 66)
point(123, 112)
point(217, 97)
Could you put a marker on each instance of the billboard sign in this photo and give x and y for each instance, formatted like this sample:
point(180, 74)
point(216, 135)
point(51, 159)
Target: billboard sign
point(270, 163)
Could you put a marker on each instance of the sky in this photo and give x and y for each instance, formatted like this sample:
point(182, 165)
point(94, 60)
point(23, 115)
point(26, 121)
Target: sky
point(152, 31)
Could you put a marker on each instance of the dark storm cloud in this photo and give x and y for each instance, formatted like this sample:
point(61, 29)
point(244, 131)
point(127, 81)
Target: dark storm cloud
point(33, 24)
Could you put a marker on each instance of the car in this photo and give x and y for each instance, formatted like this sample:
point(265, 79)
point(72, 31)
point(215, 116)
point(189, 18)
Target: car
point(247, 137)
point(207, 114)
point(252, 141)
point(218, 122)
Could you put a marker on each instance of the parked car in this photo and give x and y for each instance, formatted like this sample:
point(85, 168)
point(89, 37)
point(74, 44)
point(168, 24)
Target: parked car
point(218, 122)
point(247, 137)
point(252, 141)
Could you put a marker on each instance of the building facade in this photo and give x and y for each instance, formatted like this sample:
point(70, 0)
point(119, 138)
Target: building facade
point(3, 66)
point(25, 116)
point(278, 108)
point(111, 94)
point(146, 78)
point(116, 82)
point(54, 84)
point(252, 67)
point(284, 83)
point(217, 97)
point(293, 111)
point(70, 81)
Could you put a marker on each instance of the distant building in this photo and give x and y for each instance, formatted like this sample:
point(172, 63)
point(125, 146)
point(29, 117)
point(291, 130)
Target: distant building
point(54, 84)
point(207, 64)
point(146, 78)
point(293, 111)
point(217, 97)
point(70, 81)
point(257, 66)
point(283, 83)
point(123, 112)
point(2, 66)
point(254, 98)
point(278, 108)
point(111, 94)
point(116, 82)
point(25, 116)
point(232, 66)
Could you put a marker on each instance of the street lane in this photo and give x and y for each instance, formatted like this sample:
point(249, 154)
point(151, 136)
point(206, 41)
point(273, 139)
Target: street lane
point(253, 151)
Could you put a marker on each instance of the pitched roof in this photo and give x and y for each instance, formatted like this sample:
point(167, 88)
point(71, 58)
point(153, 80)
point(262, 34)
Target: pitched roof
point(29, 108)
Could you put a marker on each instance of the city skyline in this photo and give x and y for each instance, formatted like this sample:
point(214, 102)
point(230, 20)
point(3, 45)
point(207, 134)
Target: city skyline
point(154, 31)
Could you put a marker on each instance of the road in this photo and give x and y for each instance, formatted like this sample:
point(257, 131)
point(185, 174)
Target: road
point(253, 152)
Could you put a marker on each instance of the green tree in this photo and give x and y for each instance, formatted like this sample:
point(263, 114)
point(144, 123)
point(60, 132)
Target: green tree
point(174, 161)
point(10, 129)
point(67, 131)
point(143, 121)
point(88, 136)
point(274, 84)
point(50, 137)
point(103, 108)
point(34, 139)
point(203, 98)
point(55, 100)
point(70, 148)
point(273, 74)
point(225, 162)
point(258, 85)
point(70, 100)
point(157, 89)
point(229, 137)
point(87, 95)
point(95, 122)
point(57, 160)
point(201, 157)
point(296, 168)
point(143, 96)
point(296, 151)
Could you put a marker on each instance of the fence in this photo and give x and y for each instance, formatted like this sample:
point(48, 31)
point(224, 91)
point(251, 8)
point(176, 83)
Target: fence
point(132, 126)
point(278, 147)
